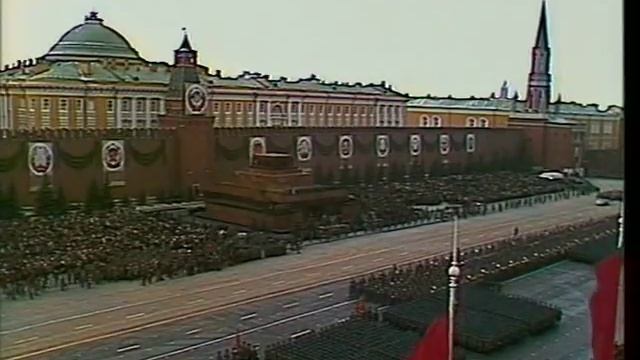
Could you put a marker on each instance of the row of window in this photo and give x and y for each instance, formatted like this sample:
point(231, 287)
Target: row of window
point(436, 121)
point(64, 104)
point(481, 122)
point(309, 108)
point(607, 127)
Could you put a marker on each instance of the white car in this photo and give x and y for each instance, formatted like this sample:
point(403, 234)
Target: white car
point(602, 202)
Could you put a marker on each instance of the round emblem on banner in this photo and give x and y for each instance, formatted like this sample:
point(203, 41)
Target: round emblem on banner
point(40, 159)
point(345, 146)
point(382, 145)
point(196, 98)
point(256, 146)
point(415, 144)
point(471, 143)
point(304, 148)
point(444, 144)
point(113, 155)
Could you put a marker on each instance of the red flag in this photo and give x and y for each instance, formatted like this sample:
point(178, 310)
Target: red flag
point(604, 303)
point(435, 343)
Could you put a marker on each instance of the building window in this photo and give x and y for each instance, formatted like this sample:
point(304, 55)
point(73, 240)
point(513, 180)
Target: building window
point(310, 109)
point(320, 109)
point(45, 104)
point(484, 123)
point(154, 105)
point(22, 103)
point(90, 105)
point(338, 110)
point(216, 107)
point(471, 122)
point(424, 121)
point(607, 128)
point(32, 104)
point(347, 110)
point(263, 107)
point(63, 104)
point(436, 121)
point(111, 105)
point(250, 107)
point(238, 108)
point(594, 127)
point(139, 105)
point(294, 108)
point(330, 109)
point(126, 105)
point(227, 107)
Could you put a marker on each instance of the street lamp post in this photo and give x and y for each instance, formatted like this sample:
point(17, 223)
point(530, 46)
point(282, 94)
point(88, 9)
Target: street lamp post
point(454, 274)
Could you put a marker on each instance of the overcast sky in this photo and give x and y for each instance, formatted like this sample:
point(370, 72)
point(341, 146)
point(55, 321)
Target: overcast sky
point(438, 47)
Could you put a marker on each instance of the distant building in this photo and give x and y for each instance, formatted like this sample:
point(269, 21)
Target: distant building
point(593, 128)
point(93, 78)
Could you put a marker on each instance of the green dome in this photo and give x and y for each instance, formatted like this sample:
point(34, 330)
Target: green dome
point(92, 40)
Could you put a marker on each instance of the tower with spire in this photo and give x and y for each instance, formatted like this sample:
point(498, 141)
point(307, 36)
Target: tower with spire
point(184, 74)
point(185, 55)
point(539, 85)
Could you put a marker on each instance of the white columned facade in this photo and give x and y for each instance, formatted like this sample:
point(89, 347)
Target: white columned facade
point(118, 109)
point(134, 104)
point(289, 106)
point(257, 112)
point(148, 112)
point(268, 112)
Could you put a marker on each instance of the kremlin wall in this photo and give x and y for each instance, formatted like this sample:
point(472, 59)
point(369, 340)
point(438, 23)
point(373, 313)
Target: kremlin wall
point(92, 110)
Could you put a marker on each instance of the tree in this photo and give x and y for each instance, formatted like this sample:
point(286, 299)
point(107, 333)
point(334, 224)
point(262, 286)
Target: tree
point(106, 200)
point(436, 168)
point(93, 201)
point(61, 202)
point(142, 199)
point(369, 173)
point(45, 199)
point(345, 176)
point(126, 202)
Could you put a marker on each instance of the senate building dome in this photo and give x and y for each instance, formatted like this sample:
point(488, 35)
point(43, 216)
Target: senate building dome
point(92, 40)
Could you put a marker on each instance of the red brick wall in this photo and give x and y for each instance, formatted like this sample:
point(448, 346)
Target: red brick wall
point(153, 179)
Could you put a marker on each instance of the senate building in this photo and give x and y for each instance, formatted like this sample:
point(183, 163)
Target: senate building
point(94, 78)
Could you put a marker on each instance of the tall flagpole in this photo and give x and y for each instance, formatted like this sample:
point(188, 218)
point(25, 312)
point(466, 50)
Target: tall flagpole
point(621, 226)
point(619, 332)
point(454, 273)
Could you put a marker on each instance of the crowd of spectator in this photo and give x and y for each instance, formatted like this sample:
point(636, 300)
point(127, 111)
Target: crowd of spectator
point(387, 204)
point(82, 249)
point(85, 249)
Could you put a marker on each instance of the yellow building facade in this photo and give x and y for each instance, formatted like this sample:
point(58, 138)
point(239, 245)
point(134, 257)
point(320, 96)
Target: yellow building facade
point(93, 78)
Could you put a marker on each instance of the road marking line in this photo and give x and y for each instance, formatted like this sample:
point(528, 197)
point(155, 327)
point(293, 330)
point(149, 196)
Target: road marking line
point(27, 340)
point(239, 292)
point(325, 295)
point(128, 348)
point(249, 331)
point(572, 212)
point(223, 284)
point(378, 259)
point(300, 333)
point(195, 301)
point(135, 316)
point(347, 267)
point(83, 326)
point(279, 282)
point(192, 331)
point(290, 305)
point(555, 217)
point(404, 253)
point(249, 316)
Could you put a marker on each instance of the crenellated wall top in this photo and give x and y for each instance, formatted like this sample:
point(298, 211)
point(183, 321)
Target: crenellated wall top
point(57, 134)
